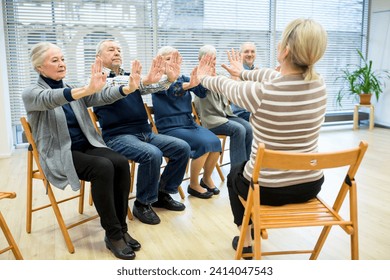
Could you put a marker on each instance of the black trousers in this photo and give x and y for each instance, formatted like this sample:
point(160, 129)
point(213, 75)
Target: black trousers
point(109, 175)
point(238, 185)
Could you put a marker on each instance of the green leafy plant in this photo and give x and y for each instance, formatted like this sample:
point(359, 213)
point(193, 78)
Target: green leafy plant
point(362, 80)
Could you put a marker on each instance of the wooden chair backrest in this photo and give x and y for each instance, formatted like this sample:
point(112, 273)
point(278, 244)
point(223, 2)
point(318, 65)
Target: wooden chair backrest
point(308, 161)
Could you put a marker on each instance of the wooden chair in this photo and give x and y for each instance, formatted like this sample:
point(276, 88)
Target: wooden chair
point(7, 233)
point(132, 163)
point(222, 137)
point(150, 113)
point(37, 173)
point(315, 212)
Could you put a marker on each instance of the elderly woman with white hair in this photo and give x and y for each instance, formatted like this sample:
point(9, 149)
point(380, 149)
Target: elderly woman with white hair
point(173, 116)
point(70, 148)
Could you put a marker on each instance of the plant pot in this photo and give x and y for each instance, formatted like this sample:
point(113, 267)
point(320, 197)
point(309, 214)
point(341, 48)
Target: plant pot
point(365, 98)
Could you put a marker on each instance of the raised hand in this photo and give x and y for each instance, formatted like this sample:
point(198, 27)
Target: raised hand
point(206, 67)
point(194, 81)
point(134, 78)
point(172, 67)
point(235, 61)
point(156, 71)
point(98, 78)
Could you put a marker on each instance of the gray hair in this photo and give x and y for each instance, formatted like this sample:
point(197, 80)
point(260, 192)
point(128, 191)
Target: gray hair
point(207, 49)
point(242, 47)
point(166, 50)
point(38, 52)
point(102, 42)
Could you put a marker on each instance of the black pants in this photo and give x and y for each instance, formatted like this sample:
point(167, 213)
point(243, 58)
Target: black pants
point(238, 185)
point(109, 175)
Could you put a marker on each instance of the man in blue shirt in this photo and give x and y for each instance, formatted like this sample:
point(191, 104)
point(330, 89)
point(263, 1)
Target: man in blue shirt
point(248, 54)
point(125, 129)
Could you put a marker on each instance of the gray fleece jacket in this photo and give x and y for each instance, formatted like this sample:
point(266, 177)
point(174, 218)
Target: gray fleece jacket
point(50, 130)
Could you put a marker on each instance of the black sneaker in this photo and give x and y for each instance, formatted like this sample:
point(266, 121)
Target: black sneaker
point(167, 202)
point(145, 214)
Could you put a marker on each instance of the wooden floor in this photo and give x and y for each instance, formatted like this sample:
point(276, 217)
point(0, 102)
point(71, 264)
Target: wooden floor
point(204, 231)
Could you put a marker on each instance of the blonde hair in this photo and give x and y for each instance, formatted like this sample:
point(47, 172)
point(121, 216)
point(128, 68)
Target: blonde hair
point(38, 52)
point(306, 41)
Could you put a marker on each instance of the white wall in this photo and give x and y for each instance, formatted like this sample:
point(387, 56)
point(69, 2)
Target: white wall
point(6, 145)
point(379, 52)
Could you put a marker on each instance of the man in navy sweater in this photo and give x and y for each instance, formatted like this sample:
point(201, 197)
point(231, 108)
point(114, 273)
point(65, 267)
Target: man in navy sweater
point(125, 129)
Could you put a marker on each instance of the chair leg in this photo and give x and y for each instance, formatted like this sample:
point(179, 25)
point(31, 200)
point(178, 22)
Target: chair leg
point(244, 227)
point(11, 241)
point(29, 192)
point(81, 197)
point(181, 192)
point(223, 150)
point(354, 245)
point(129, 214)
point(60, 220)
point(320, 242)
point(220, 172)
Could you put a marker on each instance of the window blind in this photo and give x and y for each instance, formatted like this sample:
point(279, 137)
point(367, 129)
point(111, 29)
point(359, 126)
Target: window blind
point(142, 27)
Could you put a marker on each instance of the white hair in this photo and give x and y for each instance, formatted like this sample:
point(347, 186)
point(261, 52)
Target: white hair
point(243, 45)
point(38, 53)
point(99, 46)
point(166, 50)
point(207, 49)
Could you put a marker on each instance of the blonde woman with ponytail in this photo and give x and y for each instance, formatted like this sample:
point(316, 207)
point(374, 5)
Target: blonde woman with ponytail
point(287, 110)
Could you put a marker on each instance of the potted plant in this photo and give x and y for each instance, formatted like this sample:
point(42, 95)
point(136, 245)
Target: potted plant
point(363, 81)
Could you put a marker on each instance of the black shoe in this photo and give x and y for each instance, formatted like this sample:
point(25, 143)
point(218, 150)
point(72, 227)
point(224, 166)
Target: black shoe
point(121, 251)
point(130, 241)
point(245, 250)
point(215, 190)
point(146, 214)
point(167, 202)
point(198, 194)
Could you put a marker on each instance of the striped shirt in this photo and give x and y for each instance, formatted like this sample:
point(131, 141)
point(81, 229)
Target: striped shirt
point(287, 114)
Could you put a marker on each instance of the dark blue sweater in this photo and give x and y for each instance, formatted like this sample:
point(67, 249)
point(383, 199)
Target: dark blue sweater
point(125, 116)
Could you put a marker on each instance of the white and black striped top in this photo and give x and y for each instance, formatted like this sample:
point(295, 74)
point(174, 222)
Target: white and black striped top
point(287, 113)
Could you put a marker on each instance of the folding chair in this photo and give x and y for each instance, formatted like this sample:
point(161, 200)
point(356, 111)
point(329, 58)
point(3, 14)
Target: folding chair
point(7, 233)
point(150, 113)
point(132, 163)
point(37, 173)
point(309, 214)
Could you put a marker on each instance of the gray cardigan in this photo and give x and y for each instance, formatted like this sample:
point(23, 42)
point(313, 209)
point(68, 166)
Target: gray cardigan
point(213, 109)
point(50, 131)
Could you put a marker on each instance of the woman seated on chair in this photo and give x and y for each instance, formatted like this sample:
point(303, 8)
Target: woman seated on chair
point(70, 149)
point(173, 116)
point(216, 115)
point(288, 108)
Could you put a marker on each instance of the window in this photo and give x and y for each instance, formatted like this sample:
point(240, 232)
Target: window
point(144, 26)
